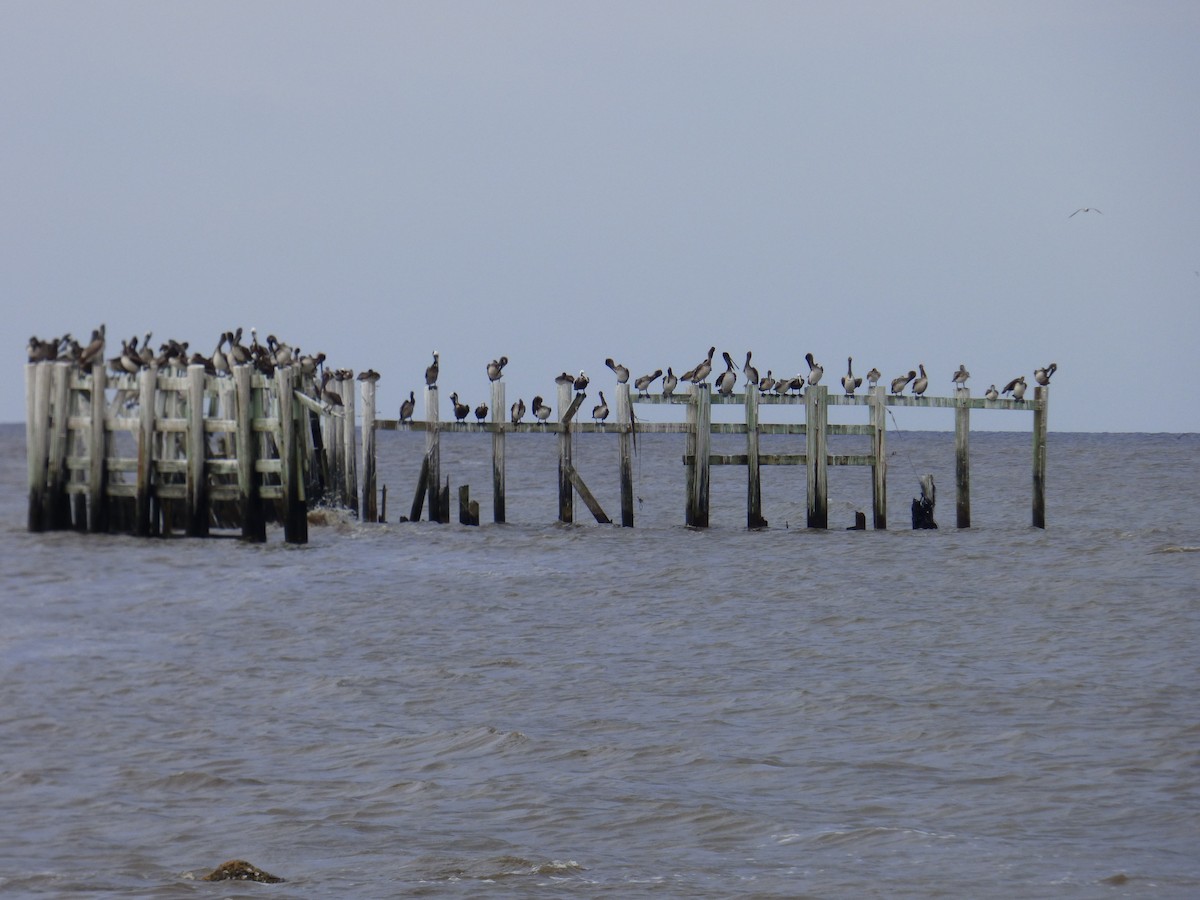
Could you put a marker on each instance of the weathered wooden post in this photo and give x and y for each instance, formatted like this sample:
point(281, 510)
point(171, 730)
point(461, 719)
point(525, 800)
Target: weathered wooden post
point(197, 469)
point(1042, 395)
point(295, 516)
point(754, 517)
point(566, 497)
point(468, 509)
point(498, 421)
point(98, 452)
point(625, 424)
point(147, 385)
point(37, 423)
point(369, 511)
point(816, 420)
point(962, 456)
point(433, 453)
point(699, 444)
point(879, 453)
point(58, 510)
point(254, 527)
point(350, 451)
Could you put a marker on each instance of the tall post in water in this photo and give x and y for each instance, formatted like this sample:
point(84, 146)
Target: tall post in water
point(291, 476)
point(249, 501)
point(147, 385)
point(197, 442)
point(369, 511)
point(624, 439)
point(754, 517)
point(58, 511)
point(97, 451)
point(699, 444)
point(816, 418)
point(350, 452)
point(1041, 394)
point(499, 411)
point(962, 456)
point(879, 454)
point(433, 453)
point(566, 496)
point(37, 423)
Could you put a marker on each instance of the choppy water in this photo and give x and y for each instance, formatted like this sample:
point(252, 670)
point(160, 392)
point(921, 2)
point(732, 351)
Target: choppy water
point(538, 710)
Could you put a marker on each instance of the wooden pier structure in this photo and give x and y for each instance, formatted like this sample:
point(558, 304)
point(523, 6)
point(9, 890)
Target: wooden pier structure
point(183, 450)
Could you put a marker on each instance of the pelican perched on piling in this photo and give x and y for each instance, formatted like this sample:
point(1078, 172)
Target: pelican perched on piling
point(873, 377)
point(431, 371)
point(460, 409)
point(95, 348)
point(702, 369)
point(643, 382)
point(961, 376)
point(849, 382)
point(901, 382)
point(622, 372)
point(991, 393)
point(921, 383)
point(496, 368)
point(750, 371)
point(1016, 387)
point(670, 381)
point(517, 411)
point(329, 396)
point(600, 410)
point(815, 370)
point(541, 411)
point(407, 407)
point(1042, 376)
point(727, 379)
point(766, 382)
point(581, 381)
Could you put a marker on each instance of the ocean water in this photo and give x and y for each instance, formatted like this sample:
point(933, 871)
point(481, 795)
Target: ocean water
point(538, 710)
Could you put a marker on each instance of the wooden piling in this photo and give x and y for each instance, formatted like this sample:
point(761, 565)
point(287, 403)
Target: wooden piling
point(816, 421)
point(350, 451)
point(414, 513)
point(57, 510)
point(97, 501)
point(369, 511)
point(962, 457)
point(197, 472)
point(624, 440)
point(499, 412)
point(37, 424)
point(291, 476)
point(699, 443)
point(144, 491)
point(433, 453)
point(468, 509)
point(254, 526)
point(754, 517)
point(1040, 411)
point(566, 496)
point(879, 456)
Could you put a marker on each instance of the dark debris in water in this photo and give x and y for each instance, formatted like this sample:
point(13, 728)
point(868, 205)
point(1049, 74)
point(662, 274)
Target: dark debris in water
point(240, 870)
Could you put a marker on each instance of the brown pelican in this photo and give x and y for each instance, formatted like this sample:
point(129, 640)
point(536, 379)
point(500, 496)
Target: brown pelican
point(727, 379)
point(600, 410)
point(643, 383)
point(219, 360)
point(581, 381)
point(95, 348)
point(564, 378)
point(370, 375)
point(849, 382)
point(239, 353)
point(815, 370)
point(517, 411)
point(131, 362)
point(961, 376)
point(922, 381)
point(329, 396)
point(622, 372)
point(991, 393)
point(900, 383)
point(431, 371)
point(1087, 209)
point(310, 364)
point(750, 371)
point(541, 411)
point(703, 370)
point(873, 377)
point(767, 382)
point(495, 368)
point(670, 381)
point(795, 383)
point(1016, 387)
point(460, 409)
point(407, 407)
point(481, 411)
point(1042, 376)
point(280, 352)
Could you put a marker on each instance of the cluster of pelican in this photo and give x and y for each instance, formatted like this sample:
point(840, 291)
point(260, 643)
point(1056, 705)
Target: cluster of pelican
point(916, 381)
point(138, 353)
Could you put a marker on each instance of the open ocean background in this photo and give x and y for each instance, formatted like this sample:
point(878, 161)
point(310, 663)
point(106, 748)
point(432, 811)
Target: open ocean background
point(537, 710)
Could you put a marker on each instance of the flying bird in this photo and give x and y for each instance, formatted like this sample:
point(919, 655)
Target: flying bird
point(1085, 209)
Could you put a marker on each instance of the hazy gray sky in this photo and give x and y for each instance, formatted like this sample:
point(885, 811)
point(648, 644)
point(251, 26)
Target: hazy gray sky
point(561, 182)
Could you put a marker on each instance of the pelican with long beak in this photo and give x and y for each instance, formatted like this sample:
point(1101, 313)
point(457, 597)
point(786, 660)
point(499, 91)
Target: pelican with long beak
point(1042, 376)
point(901, 382)
point(670, 382)
point(541, 411)
point(431, 371)
point(849, 382)
point(961, 376)
point(622, 372)
point(727, 379)
point(600, 410)
point(921, 383)
point(1016, 387)
point(643, 383)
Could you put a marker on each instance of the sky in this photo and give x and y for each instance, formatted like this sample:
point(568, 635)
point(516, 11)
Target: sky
point(561, 183)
